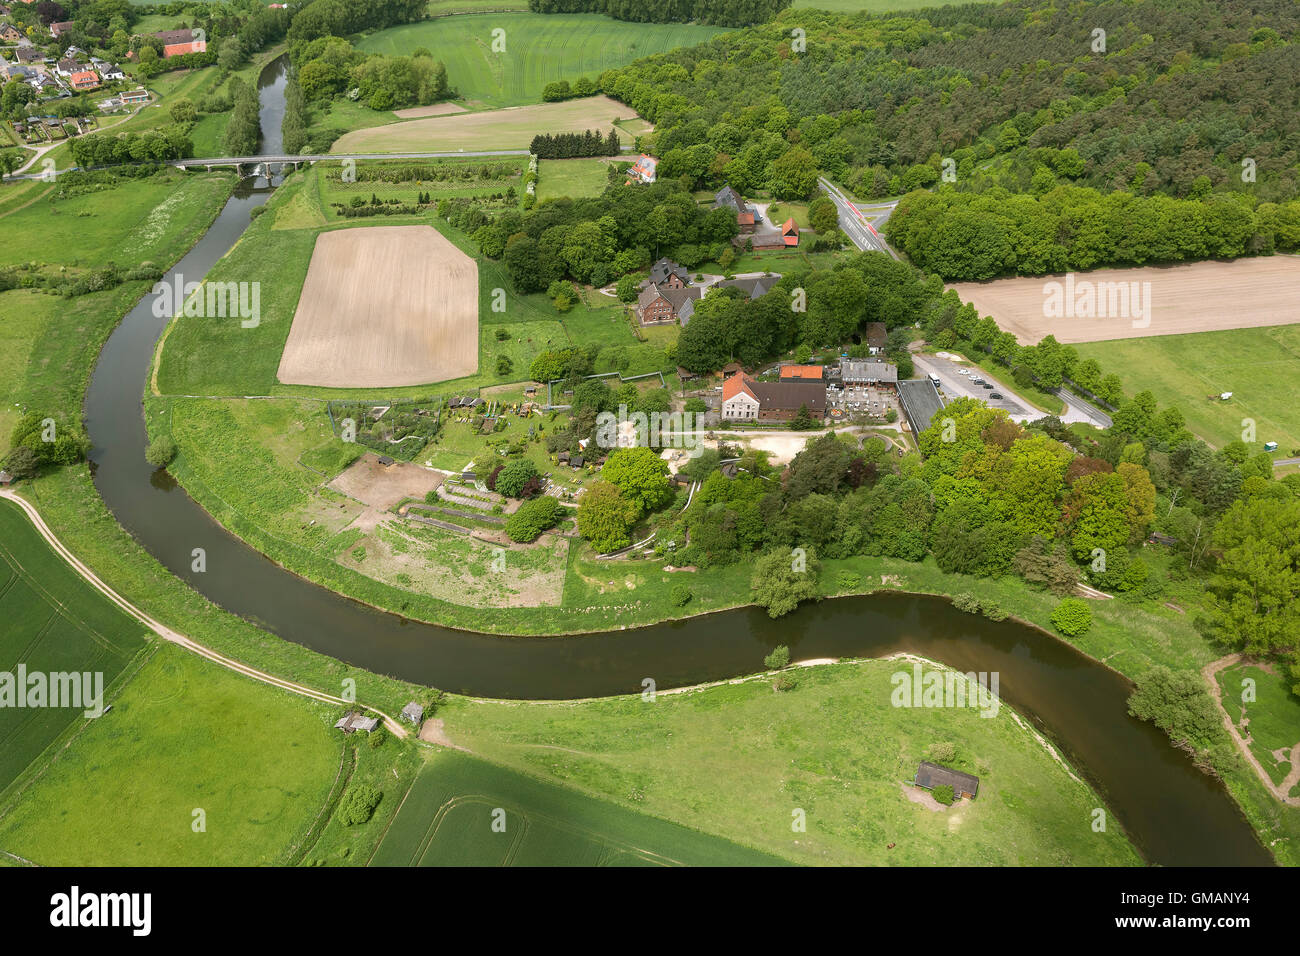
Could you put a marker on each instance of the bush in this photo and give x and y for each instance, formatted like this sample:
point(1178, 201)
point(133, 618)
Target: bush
point(993, 611)
point(532, 518)
point(779, 658)
point(965, 601)
point(784, 682)
point(377, 738)
point(161, 452)
point(943, 793)
point(514, 476)
point(1177, 703)
point(680, 595)
point(1072, 617)
point(847, 581)
point(358, 804)
point(944, 752)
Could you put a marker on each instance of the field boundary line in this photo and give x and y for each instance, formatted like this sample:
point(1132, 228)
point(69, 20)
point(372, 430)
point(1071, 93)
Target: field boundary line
point(175, 637)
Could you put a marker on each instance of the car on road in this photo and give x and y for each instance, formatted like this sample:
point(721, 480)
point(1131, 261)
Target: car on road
point(986, 384)
point(995, 394)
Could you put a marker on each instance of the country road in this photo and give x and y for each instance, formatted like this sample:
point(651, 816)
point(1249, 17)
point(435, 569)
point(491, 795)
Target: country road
point(854, 224)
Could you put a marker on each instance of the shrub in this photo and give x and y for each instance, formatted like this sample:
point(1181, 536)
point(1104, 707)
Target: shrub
point(1072, 617)
point(784, 682)
point(847, 581)
point(513, 476)
point(358, 804)
point(779, 658)
point(1177, 703)
point(943, 793)
point(993, 611)
point(377, 738)
point(161, 452)
point(680, 595)
point(965, 601)
point(532, 518)
point(944, 752)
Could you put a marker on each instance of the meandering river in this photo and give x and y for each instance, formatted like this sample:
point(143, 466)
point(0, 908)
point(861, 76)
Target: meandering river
point(1174, 813)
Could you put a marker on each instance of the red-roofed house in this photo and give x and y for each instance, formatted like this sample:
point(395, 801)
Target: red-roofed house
point(790, 233)
point(808, 372)
point(739, 403)
point(60, 28)
point(84, 80)
point(178, 42)
point(643, 170)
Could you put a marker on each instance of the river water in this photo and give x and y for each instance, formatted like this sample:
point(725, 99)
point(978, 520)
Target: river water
point(1174, 813)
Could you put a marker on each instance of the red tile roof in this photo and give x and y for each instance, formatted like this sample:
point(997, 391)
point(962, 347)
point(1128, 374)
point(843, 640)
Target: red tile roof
point(801, 371)
point(735, 385)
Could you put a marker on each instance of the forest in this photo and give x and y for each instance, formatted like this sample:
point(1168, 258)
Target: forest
point(729, 13)
point(1191, 100)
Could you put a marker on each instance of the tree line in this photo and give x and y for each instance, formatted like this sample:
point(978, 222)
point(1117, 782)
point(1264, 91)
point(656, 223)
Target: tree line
point(570, 145)
point(975, 236)
point(722, 12)
point(107, 149)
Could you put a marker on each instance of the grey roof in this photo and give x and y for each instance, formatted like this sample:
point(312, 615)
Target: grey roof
point(356, 721)
point(877, 336)
point(665, 267)
point(413, 712)
point(726, 196)
point(867, 370)
point(931, 775)
point(751, 288)
point(680, 299)
point(791, 394)
point(921, 402)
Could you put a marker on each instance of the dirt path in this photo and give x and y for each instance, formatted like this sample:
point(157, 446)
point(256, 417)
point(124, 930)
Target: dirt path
point(176, 637)
point(1210, 672)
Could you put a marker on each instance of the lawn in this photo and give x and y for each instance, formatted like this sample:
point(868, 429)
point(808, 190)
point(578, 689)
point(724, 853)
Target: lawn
point(539, 48)
point(737, 761)
point(573, 178)
point(54, 622)
point(185, 735)
point(1273, 715)
point(142, 220)
point(447, 819)
point(487, 130)
point(1261, 367)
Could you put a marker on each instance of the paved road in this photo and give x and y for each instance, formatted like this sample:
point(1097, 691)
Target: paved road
point(852, 221)
point(1081, 407)
point(1283, 462)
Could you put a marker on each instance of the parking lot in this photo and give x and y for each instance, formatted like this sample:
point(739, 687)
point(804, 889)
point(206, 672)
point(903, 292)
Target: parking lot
point(956, 381)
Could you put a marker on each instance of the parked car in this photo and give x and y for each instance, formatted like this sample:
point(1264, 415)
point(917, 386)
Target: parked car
point(995, 394)
point(986, 384)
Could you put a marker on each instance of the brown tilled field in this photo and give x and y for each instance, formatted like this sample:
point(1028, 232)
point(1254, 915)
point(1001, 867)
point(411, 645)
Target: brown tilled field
point(381, 307)
point(1192, 297)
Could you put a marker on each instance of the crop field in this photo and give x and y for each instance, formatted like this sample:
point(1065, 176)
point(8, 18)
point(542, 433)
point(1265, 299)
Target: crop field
point(1190, 297)
point(184, 735)
point(511, 128)
point(1260, 367)
point(447, 819)
point(383, 307)
point(735, 760)
point(539, 49)
point(53, 622)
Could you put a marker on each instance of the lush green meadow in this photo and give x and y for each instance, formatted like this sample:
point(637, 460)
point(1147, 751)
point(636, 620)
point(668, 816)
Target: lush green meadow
point(573, 178)
point(738, 761)
point(875, 6)
point(539, 49)
point(54, 622)
point(1261, 367)
point(184, 735)
point(447, 819)
point(1272, 717)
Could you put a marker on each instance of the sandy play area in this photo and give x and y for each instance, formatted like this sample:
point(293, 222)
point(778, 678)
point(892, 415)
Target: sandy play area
point(382, 307)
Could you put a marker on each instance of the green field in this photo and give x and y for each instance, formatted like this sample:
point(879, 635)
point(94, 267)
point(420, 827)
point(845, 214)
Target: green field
point(54, 622)
point(539, 48)
point(573, 178)
point(184, 735)
point(875, 6)
point(447, 819)
point(1273, 716)
point(1261, 367)
point(737, 760)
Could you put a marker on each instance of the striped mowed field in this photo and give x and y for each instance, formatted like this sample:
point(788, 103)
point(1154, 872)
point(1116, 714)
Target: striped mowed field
point(538, 49)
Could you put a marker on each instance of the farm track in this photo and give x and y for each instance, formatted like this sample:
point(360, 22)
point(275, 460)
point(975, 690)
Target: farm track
point(176, 637)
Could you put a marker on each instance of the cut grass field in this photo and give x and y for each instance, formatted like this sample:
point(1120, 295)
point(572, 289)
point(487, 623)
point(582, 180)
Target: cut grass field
point(184, 735)
point(573, 178)
point(539, 49)
point(54, 622)
point(512, 128)
point(1261, 367)
point(447, 819)
point(875, 6)
point(737, 761)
